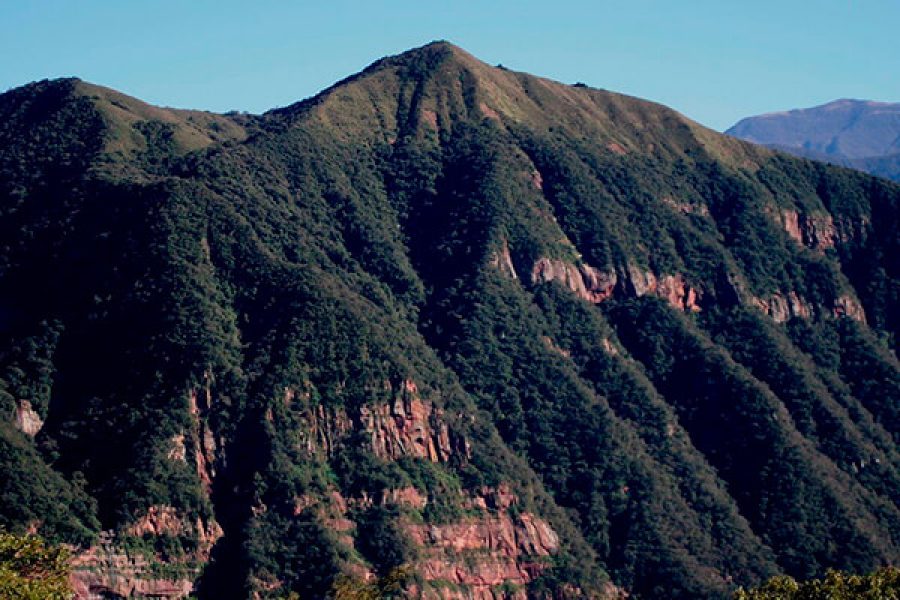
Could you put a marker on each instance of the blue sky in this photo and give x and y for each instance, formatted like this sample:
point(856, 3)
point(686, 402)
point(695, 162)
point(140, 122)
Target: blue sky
point(715, 61)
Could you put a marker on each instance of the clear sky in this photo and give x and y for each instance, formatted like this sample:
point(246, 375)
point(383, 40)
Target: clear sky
point(714, 60)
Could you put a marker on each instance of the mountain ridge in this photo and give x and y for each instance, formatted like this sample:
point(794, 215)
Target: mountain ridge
point(447, 316)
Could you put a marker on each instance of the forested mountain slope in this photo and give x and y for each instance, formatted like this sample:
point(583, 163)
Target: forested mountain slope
point(527, 339)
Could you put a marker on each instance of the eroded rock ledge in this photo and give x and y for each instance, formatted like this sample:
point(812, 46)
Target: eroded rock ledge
point(105, 570)
point(784, 306)
point(492, 552)
point(814, 230)
point(407, 426)
point(595, 286)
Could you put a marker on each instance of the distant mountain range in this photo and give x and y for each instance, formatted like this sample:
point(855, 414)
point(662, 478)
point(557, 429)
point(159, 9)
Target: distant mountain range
point(861, 134)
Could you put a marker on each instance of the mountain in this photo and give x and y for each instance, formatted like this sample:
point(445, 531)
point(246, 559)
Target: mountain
point(859, 134)
point(514, 337)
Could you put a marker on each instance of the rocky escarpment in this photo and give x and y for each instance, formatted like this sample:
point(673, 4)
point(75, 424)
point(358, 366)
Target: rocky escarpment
point(813, 230)
point(407, 426)
point(105, 572)
point(113, 568)
point(493, 552)
point(108, 570)
point(782, 307)
point(595, 286)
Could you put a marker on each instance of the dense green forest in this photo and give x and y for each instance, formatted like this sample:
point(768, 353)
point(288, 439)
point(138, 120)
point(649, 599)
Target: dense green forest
point(500, 334)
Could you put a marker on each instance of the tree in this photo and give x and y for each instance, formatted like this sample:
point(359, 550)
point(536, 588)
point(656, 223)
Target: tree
point(32, 569)
point(389, 586)
point(883, 584)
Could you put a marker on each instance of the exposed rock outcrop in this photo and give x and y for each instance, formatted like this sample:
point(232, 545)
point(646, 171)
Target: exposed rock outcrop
point(162, 520)
point(407, 496)
point(609, 347)
point(430, 117)
point(407, 426)
point(849, 229)
point(159, 520)
point(585, 281)
point(493, 551)
point(105, 570)
point(813, 230)
point(595, 286)
point(616, 148)
point(848, 306)
point(27, 420)
point(203, 440)
point(679, 294)
point(325, 429)
point(782, 307)
point(482, 552)
point(489, 112)
point(548, 341)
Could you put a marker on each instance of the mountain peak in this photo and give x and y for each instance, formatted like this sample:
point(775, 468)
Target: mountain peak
point(440, 49)
point(432, 87)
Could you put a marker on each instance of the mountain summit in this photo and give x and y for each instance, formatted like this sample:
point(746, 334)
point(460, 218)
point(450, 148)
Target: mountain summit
point(468, 329)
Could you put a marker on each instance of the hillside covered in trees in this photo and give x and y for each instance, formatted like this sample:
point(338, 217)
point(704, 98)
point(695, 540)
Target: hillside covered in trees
point(512, 337)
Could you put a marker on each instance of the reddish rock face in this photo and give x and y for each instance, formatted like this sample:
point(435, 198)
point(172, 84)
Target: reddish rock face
point(815, 231)
point(177, 449)
point(159, 520)
point(481, 552)
point(105, 570)
point(585, 281)
point(204, 443)
point(595, 286)
point(27, 420)
point(103, 573)
point(552, 346)
point(848, 306)
point(782, 307)
point(430, 117)
point(678, 293)
point(818, 231)
point(616, 148)
point(489, 112)
point(489, 547)
point(407, 426)
point(790, 220)
point(406, 496)
point(325, 429)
